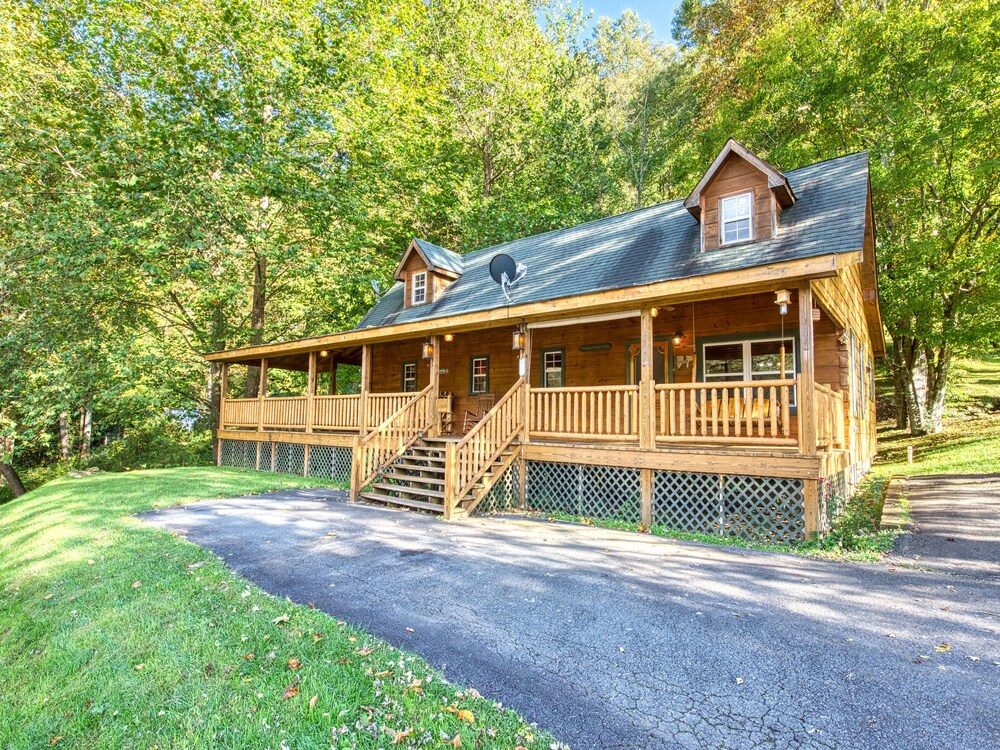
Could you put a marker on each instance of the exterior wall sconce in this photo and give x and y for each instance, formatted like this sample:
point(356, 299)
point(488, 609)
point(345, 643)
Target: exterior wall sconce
point(654, 311)
point(428, 350)
point(518, 340)
point(678, 337)
point(449, 337)
point(782, 298)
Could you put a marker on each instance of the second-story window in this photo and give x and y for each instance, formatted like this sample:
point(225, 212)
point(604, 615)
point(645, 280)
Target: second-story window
point(736, 218)
point(419, 295)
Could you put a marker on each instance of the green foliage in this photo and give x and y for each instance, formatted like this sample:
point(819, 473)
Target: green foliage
point(156, 445)
point(116, 634)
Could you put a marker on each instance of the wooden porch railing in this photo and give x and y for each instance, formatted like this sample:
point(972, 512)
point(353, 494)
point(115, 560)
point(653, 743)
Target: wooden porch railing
point(607, 412)
point(387, 442)
point(381, 406)
point(829, 417)
point(470, 458)
point(239, 412)
point(728, 412)
point(337, 412)
point(284, 412)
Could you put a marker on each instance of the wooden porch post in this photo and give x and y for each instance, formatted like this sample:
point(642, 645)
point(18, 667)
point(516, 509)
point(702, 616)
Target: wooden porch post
point(433, 417)
point(333, 378)
point(261, 393)
point(807, 405)
point(647, 436)
point(522, 474)
point(310, 393)
point(366, 375)
point(223, 389)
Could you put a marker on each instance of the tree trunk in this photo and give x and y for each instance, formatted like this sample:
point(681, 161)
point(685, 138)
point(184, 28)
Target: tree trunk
point(64, 434)
point(922, 372)
point(13, 481)
point(86, 428)
point(257, 320)
point(937, 381)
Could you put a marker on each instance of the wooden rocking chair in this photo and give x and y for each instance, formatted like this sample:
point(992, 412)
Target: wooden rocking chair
point(472, 418)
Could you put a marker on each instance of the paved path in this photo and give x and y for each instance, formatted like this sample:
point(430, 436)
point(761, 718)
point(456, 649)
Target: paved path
point(955, 522)
point(619, 640)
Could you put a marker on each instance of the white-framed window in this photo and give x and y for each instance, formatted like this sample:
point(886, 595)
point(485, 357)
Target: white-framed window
point(409, 377)
point(736, 218)
point(748, 360)
point(553, 368)
point(479, 375)
point(419, 288)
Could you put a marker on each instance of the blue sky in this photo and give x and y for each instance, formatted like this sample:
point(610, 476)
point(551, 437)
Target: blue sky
point(659, 13)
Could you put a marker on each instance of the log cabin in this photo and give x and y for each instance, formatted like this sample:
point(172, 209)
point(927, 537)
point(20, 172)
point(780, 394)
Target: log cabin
point(704, 364)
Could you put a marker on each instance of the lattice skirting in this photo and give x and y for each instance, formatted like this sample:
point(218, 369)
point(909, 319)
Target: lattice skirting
point(604, 492)
point(756, 508)
point(329, 462)
point(503, 495)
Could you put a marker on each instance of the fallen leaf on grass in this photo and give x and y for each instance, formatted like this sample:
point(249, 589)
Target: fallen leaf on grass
point(466, 715)
point(942, 647)
point(313, 701)
point(54, 740)
point(192, 566)
point(312, 605)
point(415, 687)
point(50, 596)
point(294, 664)
point(384, 673)
point(365, 652)
point(91, 562)
point(317, 637)
point(136, 584)
point(398, 737)
point(280, 619)
point(138, 667)
point(457, 741)
point(249, 657)
point(291, 690)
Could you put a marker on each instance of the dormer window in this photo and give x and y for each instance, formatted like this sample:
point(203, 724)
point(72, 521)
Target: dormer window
point(419, 289)
point(736, 218)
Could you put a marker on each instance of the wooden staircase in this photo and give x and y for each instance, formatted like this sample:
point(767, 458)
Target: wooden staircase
point(417, 478)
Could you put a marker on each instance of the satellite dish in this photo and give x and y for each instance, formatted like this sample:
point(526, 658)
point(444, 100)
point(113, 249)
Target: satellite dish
point(506, 272)
point(500, 265)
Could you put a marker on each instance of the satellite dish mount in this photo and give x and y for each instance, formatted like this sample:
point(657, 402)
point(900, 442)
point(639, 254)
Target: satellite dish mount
point(506, 272)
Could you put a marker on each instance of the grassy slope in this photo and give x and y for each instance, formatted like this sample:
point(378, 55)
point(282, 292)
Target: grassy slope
point(90, 657)
point(970, 443)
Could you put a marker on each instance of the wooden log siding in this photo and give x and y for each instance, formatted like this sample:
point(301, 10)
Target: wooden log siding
point(485, 442)
point(239, 412)
point(731, 412)
point(609, 412)
point(337, 412)
point(284, 412)
point(387, 442)
point(381, 406)
point(829, 417)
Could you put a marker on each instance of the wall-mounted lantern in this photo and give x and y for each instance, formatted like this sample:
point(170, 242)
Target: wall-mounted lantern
point(678, 337)
point(428, 349)
point(518, 340)
point(782, 298)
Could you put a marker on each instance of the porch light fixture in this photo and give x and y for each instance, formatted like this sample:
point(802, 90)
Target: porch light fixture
point(678, 337)
point(654, 311)
point(324, 353)
point(782, 298)
point(428, 349)
point(518, 340)
point(449, 337)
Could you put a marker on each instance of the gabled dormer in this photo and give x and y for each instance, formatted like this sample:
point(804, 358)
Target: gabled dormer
point(425, 270)
point(739, 199)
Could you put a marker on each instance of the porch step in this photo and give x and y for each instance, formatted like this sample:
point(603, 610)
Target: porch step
point(410, 466)
point(409, 489)
point(379, 497)
point(413, 478)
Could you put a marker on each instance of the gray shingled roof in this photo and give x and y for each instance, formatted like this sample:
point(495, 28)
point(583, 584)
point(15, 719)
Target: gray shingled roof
point(440, 257)
point(658, 243)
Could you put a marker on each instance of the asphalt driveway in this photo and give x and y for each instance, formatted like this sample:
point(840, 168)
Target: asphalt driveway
point(618, 640)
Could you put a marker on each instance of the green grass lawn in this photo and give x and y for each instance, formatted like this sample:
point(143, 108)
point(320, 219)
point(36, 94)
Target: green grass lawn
point(114, 634)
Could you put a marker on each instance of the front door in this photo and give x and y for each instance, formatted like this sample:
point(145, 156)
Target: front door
point(659, 362)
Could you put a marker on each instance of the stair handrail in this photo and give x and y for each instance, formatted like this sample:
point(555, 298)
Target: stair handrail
point(390, 439)
point(472, 455)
